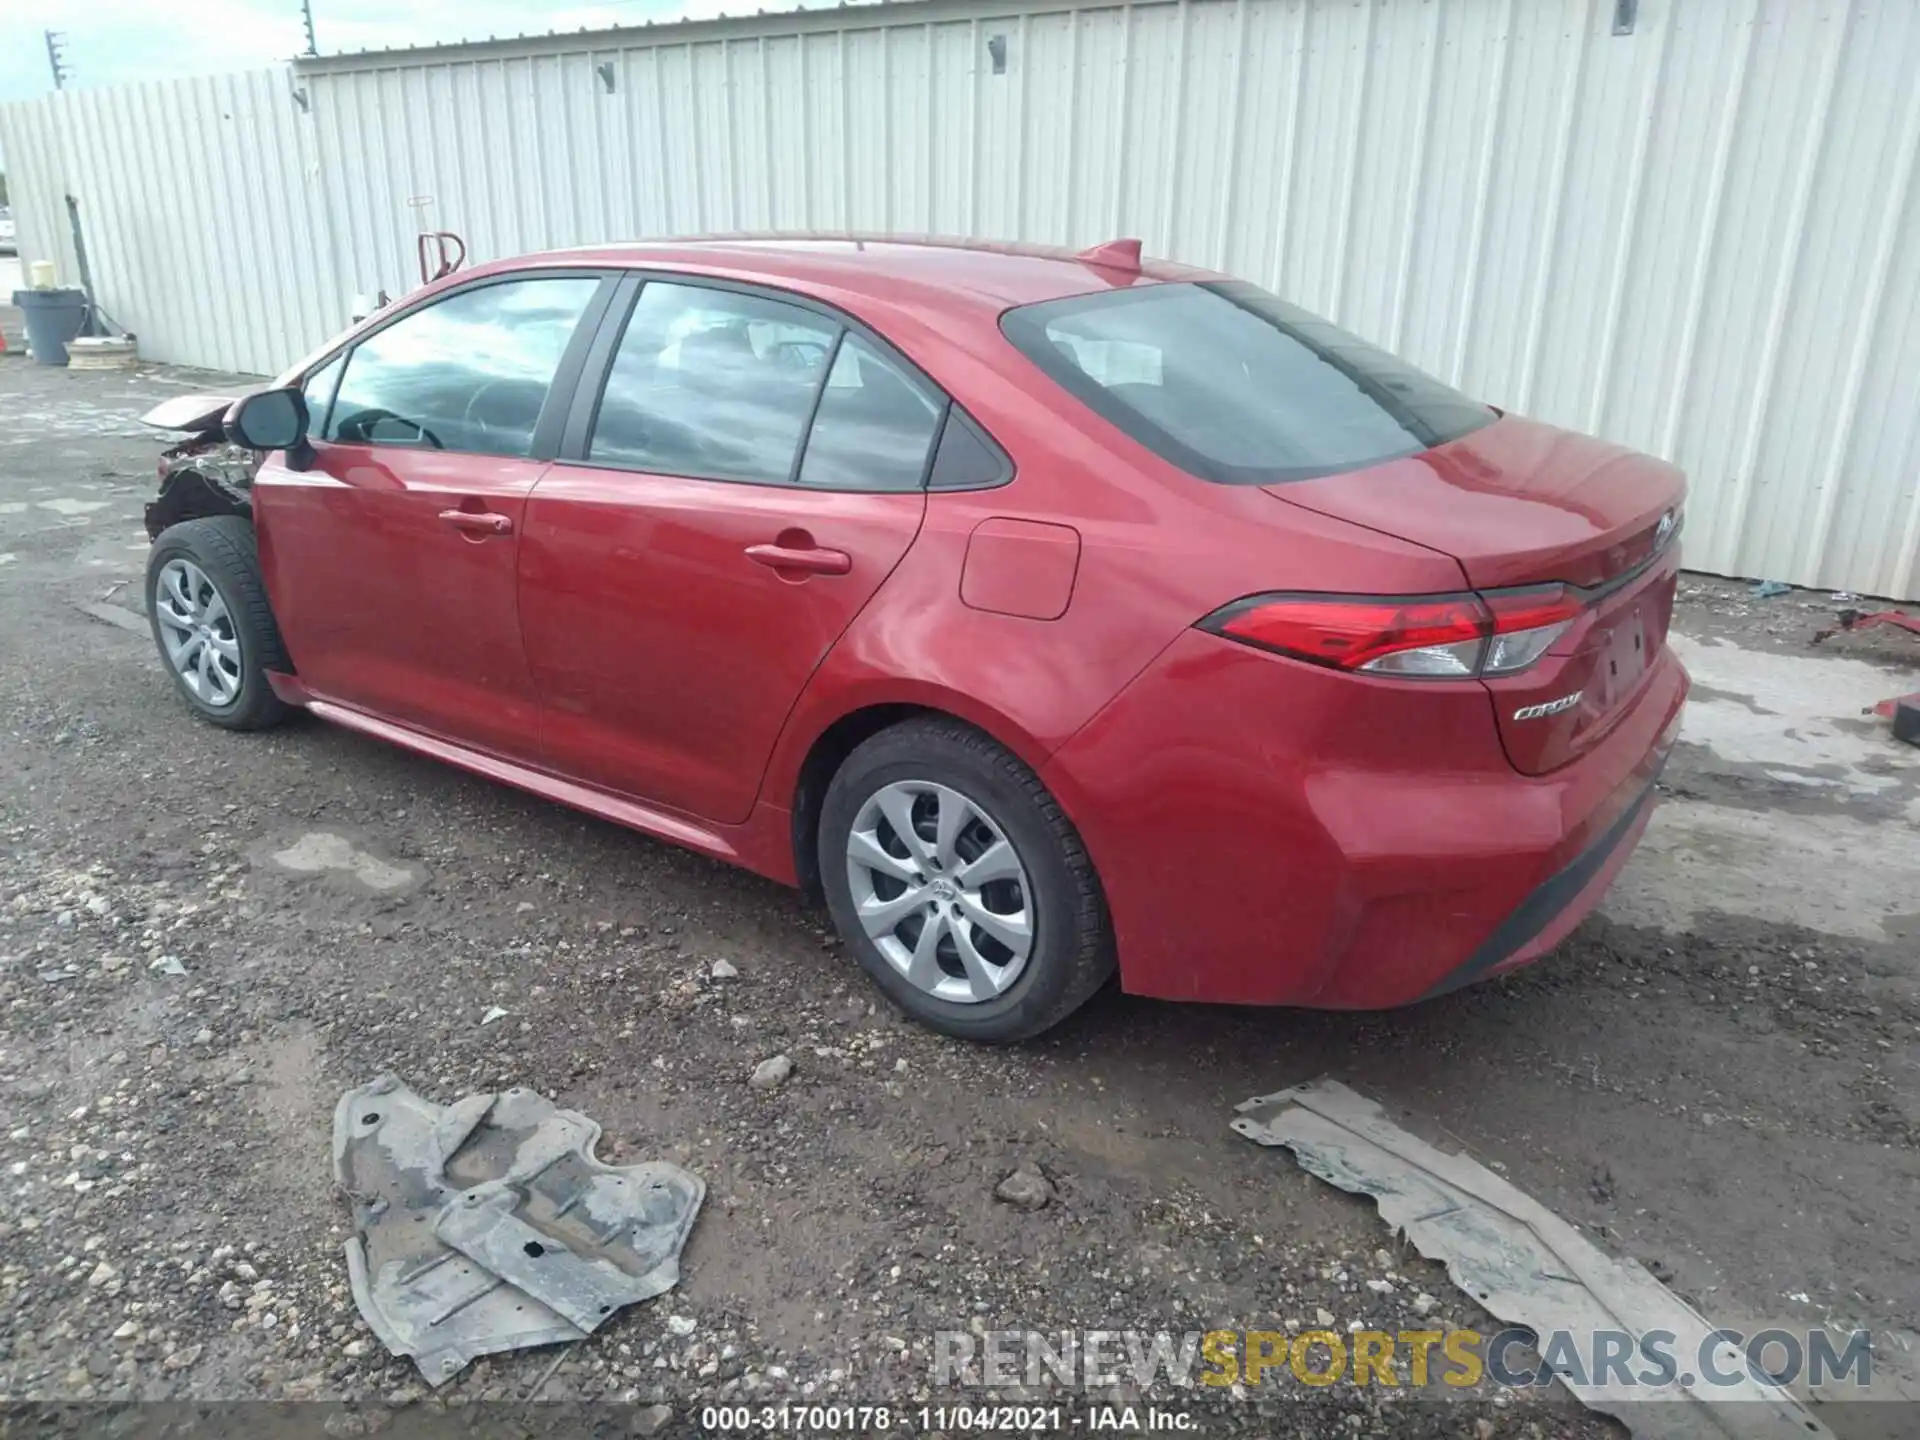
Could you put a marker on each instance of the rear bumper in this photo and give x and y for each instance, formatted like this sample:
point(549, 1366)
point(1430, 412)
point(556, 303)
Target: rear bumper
point(1302, 839)
point(1548, 915)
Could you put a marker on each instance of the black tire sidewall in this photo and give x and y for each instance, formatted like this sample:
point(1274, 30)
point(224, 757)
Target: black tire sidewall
point(223, 564)
point(1040, 994)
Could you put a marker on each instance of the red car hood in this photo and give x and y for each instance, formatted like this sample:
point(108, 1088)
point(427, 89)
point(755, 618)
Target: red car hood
point(1514, 502)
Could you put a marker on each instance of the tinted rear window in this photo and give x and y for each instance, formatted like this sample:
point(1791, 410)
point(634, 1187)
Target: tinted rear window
point(1237, 386)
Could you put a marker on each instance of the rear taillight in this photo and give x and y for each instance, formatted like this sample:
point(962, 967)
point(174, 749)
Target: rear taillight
point(1496, 632)
point(1526, 622)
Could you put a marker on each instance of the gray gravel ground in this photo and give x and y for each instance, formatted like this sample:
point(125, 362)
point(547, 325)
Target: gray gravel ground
point(1737, 1107)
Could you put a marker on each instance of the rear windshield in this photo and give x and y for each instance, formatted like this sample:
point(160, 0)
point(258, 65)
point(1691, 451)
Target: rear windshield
point(1237, 386)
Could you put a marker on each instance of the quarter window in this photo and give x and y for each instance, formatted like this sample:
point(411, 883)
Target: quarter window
point(964, 461)
point(469, 373)
point(713, 384)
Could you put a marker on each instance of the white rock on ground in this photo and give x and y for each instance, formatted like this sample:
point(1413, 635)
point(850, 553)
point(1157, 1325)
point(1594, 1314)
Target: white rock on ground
point(771, 1074)
point(1027, 1188)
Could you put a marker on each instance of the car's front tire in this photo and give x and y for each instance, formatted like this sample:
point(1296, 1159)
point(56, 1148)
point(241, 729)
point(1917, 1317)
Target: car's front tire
point(960, 885)
point(207, 607)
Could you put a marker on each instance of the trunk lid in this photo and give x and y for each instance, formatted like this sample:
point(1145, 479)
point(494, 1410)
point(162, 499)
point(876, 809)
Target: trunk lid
point(1515, 502)
point(1553, 711)
point(1519, 503)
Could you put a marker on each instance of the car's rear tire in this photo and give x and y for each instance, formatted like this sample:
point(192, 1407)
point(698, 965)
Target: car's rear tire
point(207, 607)
point(1021, 937)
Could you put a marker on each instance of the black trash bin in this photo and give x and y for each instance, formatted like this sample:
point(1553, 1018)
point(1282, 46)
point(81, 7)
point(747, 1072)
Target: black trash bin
point(53, 318)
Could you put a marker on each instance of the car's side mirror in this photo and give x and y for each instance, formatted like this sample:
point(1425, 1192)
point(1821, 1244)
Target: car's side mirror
point(272, 420)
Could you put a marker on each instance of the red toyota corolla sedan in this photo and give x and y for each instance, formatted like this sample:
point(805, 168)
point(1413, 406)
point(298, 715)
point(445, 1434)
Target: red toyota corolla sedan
point(1047, 613)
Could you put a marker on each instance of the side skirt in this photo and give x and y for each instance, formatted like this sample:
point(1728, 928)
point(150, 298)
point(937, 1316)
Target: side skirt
point(630, 813)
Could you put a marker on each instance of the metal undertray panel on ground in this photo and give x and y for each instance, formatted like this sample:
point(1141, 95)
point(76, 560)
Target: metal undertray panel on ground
point(1522, 1262)
point(487, 1225)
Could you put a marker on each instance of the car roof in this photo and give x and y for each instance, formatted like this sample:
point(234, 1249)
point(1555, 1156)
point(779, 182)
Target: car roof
point(967, 273)
point(949, 287)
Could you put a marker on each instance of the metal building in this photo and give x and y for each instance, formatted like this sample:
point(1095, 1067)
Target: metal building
point(1685, 224)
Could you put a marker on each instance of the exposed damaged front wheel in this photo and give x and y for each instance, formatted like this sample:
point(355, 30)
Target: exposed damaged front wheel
point(207, 606)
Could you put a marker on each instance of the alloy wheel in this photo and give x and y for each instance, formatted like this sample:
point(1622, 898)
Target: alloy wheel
point(197, 631)
point(941, 891)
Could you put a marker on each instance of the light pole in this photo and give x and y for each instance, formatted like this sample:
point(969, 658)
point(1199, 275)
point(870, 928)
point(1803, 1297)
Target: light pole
point(56, 60)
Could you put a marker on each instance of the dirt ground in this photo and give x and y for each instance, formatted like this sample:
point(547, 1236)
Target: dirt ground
point(1716, 1075)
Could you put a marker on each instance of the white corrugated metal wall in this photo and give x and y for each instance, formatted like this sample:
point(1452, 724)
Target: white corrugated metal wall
point(204, 223)
point(1689, 237)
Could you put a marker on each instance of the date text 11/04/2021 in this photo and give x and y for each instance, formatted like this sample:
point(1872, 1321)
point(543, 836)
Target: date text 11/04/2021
point(944, 1419)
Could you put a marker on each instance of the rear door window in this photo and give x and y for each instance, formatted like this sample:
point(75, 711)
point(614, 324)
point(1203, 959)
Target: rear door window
point(712, 384)
point(874, 425)
point(469, 373)
point(1237, 386)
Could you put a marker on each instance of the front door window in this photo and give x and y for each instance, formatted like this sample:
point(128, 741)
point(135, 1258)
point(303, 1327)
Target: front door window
point(469, 373)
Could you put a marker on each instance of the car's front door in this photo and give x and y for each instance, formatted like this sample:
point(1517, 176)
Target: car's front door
point(751, 474)
point(391, 560)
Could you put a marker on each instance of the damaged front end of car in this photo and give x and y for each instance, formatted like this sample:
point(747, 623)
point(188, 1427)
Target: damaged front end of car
point(205, 473)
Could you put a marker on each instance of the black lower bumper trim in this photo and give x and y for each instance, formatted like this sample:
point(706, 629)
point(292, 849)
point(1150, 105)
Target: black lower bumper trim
point(1533, 914)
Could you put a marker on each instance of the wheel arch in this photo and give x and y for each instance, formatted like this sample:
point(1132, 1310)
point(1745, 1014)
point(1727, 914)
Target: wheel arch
point(186, 494)
point(821, 746)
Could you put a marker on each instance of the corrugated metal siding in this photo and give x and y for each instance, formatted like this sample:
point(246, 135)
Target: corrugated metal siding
point(1696, 238)
point(30, 146)
point(198, 203)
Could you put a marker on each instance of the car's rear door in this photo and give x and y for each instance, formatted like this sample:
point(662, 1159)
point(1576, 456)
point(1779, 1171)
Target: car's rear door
point(391, 560)
point(749, 472)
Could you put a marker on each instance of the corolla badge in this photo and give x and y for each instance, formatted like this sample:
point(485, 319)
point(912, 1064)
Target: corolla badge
point(1664, 530)
point(1551, 707)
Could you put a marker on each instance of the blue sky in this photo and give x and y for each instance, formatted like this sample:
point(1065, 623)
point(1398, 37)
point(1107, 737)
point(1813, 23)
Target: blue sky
point(112, 42)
